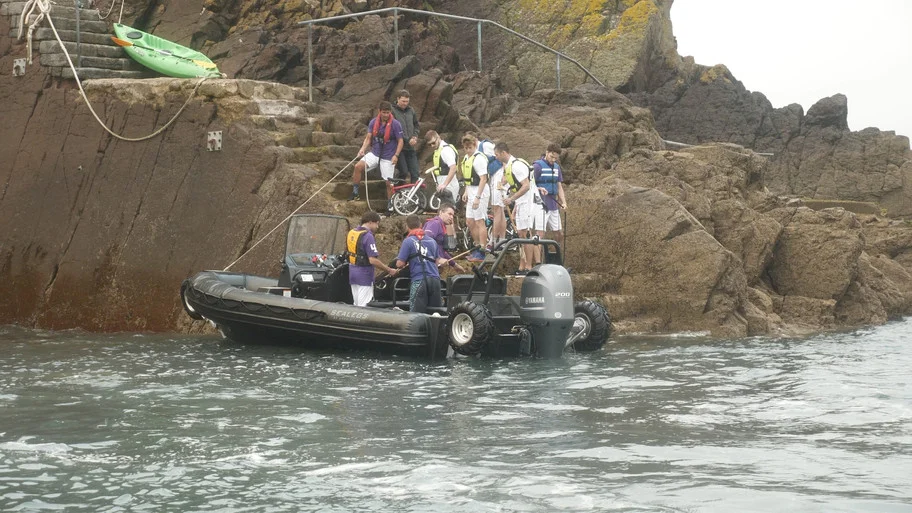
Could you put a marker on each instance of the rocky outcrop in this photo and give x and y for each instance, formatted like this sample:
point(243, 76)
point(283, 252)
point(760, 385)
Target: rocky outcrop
point(97, 233)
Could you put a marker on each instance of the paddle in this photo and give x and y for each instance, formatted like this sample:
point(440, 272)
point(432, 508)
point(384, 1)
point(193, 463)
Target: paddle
point(202, 64)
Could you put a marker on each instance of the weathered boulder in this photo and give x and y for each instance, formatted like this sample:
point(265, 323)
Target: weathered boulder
point(657, 252)
point(817, 253)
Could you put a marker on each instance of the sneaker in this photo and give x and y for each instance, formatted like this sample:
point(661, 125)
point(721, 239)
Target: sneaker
point(476, 256)
point(389, 206)
point(521, 272)
point(354, 197)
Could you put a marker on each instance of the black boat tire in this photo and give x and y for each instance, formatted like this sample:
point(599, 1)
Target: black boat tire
point(187, 308)
point(598, 325)
point(471, 328)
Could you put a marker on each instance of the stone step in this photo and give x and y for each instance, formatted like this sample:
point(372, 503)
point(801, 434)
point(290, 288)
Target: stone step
point(85, 49)
point(57, 11)
point(46, 34)
point(122, 64)
point(94, 73)
point(64, 24)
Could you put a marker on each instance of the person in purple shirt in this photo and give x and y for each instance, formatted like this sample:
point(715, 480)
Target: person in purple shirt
point(436, 228)
point(419, 252)
point(363, 257)
point(384, 139)
point(549, 178)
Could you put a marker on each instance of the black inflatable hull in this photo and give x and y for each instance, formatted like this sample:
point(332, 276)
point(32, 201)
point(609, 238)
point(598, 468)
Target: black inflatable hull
point(245, 310)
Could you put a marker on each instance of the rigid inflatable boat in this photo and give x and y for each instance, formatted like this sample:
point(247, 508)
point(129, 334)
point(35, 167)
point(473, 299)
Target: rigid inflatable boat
point(310, 304)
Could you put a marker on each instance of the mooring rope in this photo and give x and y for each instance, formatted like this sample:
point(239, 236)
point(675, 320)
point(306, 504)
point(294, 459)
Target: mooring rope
point(295, 211)
point(45, 8)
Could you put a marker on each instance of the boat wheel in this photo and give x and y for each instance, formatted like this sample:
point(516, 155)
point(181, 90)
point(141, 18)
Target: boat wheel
point(471, 328)
point(595, 324)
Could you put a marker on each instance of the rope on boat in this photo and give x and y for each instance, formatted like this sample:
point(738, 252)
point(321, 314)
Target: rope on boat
point(295, 211)
point(45, 11)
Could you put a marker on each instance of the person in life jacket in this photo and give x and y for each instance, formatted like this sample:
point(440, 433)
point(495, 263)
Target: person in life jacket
point(518, 182)
point(384, 139)
point(549, 179)
point(444, 161)
point(363, 258)
point(420, 254)
point(495, 174)
point(474, 175)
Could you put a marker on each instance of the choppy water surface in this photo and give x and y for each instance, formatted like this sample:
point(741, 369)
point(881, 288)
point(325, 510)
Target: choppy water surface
point(155, 423)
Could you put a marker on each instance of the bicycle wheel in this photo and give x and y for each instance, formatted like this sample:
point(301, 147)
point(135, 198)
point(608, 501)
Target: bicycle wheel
point(404, 206)
point(434, 202)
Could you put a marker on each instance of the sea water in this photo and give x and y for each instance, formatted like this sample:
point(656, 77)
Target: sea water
point(135, 422)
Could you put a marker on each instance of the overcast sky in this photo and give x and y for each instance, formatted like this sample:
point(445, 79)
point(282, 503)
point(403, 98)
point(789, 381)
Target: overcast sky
point(799, 51)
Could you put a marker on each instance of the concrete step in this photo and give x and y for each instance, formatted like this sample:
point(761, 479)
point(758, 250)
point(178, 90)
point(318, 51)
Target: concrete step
point(92, 73)
point(122, 64)
point(85, 49)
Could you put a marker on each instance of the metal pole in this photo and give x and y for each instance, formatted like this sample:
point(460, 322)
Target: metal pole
point(558, 72)
point(479, 46)
point(310, 66)
point(396, 34)
point(78, 38)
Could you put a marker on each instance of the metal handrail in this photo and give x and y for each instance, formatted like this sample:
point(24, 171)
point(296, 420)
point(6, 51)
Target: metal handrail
point(396, 10)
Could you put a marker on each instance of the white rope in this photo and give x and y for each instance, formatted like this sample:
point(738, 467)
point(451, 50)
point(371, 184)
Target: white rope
point(111, 9)
point(45, 7)
point(295, 211)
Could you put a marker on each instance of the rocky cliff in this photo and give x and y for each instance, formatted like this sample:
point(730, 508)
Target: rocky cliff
point(97, 232)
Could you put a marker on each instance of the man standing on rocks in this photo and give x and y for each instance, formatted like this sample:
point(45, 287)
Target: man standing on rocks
point(408, 118)
point(520, 193)
point(549, 179)
point(363, 257)
point(474, 175)
point(444, 160)
point(384, 138)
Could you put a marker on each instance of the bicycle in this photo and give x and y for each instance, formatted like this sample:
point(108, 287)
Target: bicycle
point(465, 240)
point(407, 198)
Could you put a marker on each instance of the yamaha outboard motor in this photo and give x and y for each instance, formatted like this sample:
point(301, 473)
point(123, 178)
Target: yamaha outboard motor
point(546, 308)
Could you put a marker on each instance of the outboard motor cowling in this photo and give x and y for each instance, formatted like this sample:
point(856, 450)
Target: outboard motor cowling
point(546, 308)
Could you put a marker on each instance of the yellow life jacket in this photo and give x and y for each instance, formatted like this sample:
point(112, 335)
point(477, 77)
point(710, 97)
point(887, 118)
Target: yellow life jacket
point(469, 176)
point(356, 253)
point(508, 175)
point(436, 159)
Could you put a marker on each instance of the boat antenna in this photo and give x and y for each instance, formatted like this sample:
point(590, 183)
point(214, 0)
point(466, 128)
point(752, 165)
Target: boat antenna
point(295, 211)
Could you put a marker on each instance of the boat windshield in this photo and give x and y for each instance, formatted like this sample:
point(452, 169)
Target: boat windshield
point(316, 234)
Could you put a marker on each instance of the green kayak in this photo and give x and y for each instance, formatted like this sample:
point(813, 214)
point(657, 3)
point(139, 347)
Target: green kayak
point(162, 55)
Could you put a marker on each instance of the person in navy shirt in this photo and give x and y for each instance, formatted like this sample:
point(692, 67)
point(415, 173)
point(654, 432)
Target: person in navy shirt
point(419, 252)
point(549, 179)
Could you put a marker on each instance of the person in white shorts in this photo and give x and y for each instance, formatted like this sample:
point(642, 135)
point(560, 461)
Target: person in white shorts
point(517, 179)
point(384, 138)
point(474, 175)
point(444, 160)
point(549, 178)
